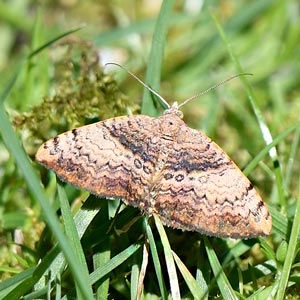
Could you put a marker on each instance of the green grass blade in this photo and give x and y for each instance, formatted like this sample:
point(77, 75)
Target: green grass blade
point(52, 41)
point(84, 216)
point(290, 255)
point(222, 281)
point(82, 220)
point(202, 271)
point(174, 284)
point(156, 262)
point(102, 257)
point(189, 279)
point(156, 56)
point(54, 262)
point(280, 223)
point(99, 260)
point(114, 262)
point(74, 239)
point(134, 279)
point(9, 285)
point(8, 87)
point(20, 289)
point(267, 148)
point(292, 158)
point(28, 279)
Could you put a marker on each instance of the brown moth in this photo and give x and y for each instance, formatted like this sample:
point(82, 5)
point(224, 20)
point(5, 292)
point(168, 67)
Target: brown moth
point(163, 167)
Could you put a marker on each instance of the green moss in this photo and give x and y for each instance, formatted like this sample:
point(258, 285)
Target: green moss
point(82, 93)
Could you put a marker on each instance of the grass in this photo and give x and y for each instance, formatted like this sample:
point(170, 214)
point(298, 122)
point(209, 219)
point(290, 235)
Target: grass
point(77, 246)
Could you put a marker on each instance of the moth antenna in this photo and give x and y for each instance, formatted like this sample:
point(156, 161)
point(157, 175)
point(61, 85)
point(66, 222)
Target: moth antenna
point(140, 81)
point(211, 88)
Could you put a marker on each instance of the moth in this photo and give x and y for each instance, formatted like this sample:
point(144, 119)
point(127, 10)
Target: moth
point(163, 167)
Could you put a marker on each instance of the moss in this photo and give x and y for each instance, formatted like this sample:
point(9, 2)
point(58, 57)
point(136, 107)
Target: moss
point(83, 93)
